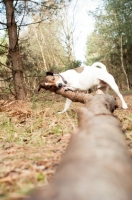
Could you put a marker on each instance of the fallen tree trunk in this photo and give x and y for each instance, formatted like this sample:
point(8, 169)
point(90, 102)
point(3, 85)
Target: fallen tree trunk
point(96, 164)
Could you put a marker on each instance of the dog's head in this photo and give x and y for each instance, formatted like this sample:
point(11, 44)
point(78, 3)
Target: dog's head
point(55, 80)
point(52, 82)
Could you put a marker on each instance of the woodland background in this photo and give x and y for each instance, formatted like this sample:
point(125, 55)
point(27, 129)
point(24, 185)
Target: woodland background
point(41, 36)
point(36, 36)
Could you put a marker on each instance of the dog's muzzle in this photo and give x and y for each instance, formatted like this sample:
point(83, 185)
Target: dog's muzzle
point(60, 85)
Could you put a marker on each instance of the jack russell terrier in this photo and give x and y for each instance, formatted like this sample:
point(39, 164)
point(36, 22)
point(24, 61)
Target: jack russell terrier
point(83, 78)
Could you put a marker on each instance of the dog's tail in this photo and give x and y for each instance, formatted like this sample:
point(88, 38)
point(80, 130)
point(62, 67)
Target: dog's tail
point(100, 65)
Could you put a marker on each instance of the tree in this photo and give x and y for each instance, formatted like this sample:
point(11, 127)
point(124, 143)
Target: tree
point(17, 15)
point(14, 55)
point(113, 22)
point(52, 41)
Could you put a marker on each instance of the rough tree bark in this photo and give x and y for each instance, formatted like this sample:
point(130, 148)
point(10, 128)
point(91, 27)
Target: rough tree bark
point(14, 54)
point(96, 164)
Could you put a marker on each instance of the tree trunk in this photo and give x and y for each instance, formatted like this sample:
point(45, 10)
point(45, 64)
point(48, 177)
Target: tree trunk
point(41, 49)
point(14, 54)
point(122, 65)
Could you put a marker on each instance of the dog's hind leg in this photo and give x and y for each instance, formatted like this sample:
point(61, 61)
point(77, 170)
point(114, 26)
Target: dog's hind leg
point(111, 82)
point(66, 107)
point(116, 90)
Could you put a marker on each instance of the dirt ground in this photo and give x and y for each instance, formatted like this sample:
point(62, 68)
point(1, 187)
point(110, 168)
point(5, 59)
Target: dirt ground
point(33, 138)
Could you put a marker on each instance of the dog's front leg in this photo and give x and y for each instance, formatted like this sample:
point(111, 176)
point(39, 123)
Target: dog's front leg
point(67, 105)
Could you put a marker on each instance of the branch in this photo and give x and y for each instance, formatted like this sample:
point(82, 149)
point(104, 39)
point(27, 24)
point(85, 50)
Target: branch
point(5, 24)
point(6, 66)
point(4, 46)
point(21, 22)
point(7, 79)
point(38, 22)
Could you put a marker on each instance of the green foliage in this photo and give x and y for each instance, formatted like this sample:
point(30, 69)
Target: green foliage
point(40, 45)
point(113, 26)
point(3, 52)
point(74, 64)
point(40, 177)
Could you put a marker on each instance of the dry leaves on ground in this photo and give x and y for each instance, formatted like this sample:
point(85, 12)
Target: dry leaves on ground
point(33, 138)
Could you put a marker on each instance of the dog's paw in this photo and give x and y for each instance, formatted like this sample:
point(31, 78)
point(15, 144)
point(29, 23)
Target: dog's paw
point(125, 106)
point(68, 89)
point(61, 112)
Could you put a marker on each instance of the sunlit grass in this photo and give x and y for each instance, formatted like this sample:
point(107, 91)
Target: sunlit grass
point(33, 137)
point(30, 137)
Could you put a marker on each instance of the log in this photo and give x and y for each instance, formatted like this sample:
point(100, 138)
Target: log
point(96, 164)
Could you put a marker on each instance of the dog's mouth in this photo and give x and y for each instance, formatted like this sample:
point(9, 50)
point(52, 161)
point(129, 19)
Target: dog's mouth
point(61, 85)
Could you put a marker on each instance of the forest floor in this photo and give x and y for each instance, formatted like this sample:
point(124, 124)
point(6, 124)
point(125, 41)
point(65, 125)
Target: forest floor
point(33, 138)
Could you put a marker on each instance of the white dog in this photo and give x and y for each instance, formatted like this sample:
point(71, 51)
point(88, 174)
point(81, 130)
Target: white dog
point(83, 78)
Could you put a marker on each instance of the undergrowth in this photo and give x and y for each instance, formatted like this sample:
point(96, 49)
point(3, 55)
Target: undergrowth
point(33, 138)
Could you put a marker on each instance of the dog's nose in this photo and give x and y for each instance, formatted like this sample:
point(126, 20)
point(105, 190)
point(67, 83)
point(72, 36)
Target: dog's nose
point(60, 85)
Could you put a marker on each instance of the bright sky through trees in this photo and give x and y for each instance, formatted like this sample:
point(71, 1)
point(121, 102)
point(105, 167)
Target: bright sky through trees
point(84, 24)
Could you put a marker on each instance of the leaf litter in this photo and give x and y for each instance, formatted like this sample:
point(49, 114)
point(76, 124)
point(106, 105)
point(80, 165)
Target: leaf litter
point(33, 138)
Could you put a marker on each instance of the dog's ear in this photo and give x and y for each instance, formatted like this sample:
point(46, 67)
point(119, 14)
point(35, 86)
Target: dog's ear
point(49, 73)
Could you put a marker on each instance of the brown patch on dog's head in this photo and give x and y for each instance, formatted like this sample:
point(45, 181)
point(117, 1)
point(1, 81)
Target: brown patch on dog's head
point(47, 86)
point(51, 79)
point(49, 82)
point(50, 73)
point(79, 69)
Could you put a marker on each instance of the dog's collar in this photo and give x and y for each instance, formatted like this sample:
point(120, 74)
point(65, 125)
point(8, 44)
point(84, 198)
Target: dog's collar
point(63, 79)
